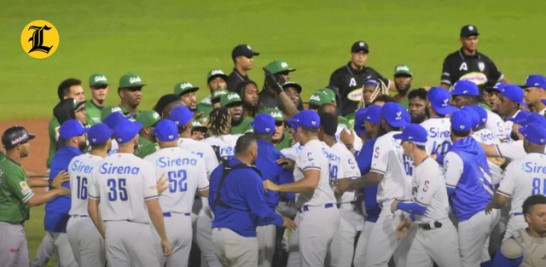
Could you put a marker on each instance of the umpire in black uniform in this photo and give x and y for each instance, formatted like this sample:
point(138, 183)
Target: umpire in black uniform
point(468, 64)
point(347, 81)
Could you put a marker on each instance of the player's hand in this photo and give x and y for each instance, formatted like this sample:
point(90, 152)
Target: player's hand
point(62, 191)
point(167, 247)
point(347, 137)
point(342, 185)
point(489, 208)
point(286, 163)
point(268, 185)
point(288, 223)
point(162, 184)
point(403, 228)
point(61, 177)
point(394, 203)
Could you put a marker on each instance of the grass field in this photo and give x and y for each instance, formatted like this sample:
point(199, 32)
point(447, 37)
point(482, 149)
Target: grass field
point(172, 41)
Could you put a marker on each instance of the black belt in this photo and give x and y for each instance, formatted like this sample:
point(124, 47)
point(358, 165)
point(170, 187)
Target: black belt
point(339, 204)
point(78, 216)
point(430, 225)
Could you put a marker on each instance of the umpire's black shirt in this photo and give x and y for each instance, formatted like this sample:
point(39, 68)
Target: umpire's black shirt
point(234, 79)
point(477, 68)
point(347, 83)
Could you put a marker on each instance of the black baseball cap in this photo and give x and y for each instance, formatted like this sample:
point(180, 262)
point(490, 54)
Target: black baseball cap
point(360, 46)
point(469, 30)
point(243, 50)
point(14, 136)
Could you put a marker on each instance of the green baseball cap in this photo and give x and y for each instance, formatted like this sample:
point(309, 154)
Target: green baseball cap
point(216, 73)
point(217, 95)
point(184, 87)
point(230, 99)
point(322, 96)
point(278, 66)
point(197, 124)
point(97, 79)
point(148, 118)
point(274, 112)
point(130, 80)
point(402, 70)
point(292, 84)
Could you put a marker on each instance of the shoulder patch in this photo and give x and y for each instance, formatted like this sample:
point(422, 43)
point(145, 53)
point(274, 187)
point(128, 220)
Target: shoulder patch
point(511, 249)
point(25, 189)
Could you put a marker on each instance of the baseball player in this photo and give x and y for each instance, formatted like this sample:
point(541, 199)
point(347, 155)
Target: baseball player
point(187, 91)
point(342, 166)
point(438, 126)
point(216, 80)
point(123, 199)
point(234, 105)
point(511, 100)
point(99, 91)
point(221, 140)
point(146, 141)
point(523, 177)
point(16, 196)
point(318, 216)
point(86, 242)
point(392, 170)
point(184, 171)
point(535, 91)
point(436, 237)
point(470, 189)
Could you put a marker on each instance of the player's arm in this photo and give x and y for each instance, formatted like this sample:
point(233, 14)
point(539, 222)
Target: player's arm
point(93, 210)
point(453, 169)
point(156, 216)
point(411, 207)
point(504, 192)
point(39, 199)
point(32, 174)
point(498, 201)
point(309, 182)
point(490, 150)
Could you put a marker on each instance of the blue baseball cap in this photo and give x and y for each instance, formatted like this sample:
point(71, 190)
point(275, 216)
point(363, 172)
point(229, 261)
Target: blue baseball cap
point(414, 133)
point(543, 101)
point(71, 128)
point(473, 116)
point(460, 121)
point(113, 119)
point(521, 117)
point(126, 130)
point(464, 87)
point(439, 100)
point(371, 82)
point(395, 115)
point(360, 116)
point(497, 87)
point(535, 80)
point(305, 118)
point(166, 130)
point(482, 113)
point(373, 114)
point(263, 123)
point(99, 133)
point(181, 115)
point(534, 132)
point(514, 93)
point(534, 117)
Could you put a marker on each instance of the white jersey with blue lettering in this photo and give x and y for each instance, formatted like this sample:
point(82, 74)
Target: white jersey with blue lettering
point(430, 191)
point(314, 156)
point(204, 151)
point(293, 151)
point(439, 135)
point(389, 159)
point(486, 136)
point(225, 144)
point(80, 170)
point(347, 169)
point(123, 183)
point(184, 171)
point(496, 125)
point(524, 177)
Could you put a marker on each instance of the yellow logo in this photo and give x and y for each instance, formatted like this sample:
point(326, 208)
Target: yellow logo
point(40, 39)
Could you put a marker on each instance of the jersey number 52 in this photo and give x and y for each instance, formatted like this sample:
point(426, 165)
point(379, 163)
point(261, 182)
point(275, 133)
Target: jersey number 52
point(177, 181)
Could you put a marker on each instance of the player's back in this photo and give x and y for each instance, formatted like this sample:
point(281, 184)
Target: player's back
point(225, 145)
point(186, 174)
point(429, 171)
point(80, 170)
point(397, 168)
point(314, 155)
point(348, 168)
point(439, 135)
point(123, 182)
point(202, 150)
point(496, 125)
point(526, 177)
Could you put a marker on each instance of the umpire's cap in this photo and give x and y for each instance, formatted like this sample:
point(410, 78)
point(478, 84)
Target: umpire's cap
point(469, 30)
point(14, 136)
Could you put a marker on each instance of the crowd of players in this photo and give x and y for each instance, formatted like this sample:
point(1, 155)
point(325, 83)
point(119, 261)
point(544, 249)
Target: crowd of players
point(368, 172)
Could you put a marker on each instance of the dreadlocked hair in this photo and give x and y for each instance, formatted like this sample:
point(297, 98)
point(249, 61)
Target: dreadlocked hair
point(381, 89)
point(220, 122)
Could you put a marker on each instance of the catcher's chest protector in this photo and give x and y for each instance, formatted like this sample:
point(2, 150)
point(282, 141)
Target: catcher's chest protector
point(534, 249)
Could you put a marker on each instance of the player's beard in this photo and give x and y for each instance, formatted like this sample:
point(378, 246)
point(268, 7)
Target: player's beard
point(82, 146)
point(418, 119)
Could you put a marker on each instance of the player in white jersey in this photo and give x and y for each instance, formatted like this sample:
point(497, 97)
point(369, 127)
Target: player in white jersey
point(221, 140)
point(122, 200)
point(86, 242)
point(510, 102)
point(318, 219)
point(201, 214)
point(523, 177)
point(186, 177)
point(392, 170)
point(438, 126)
point(436, 236)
